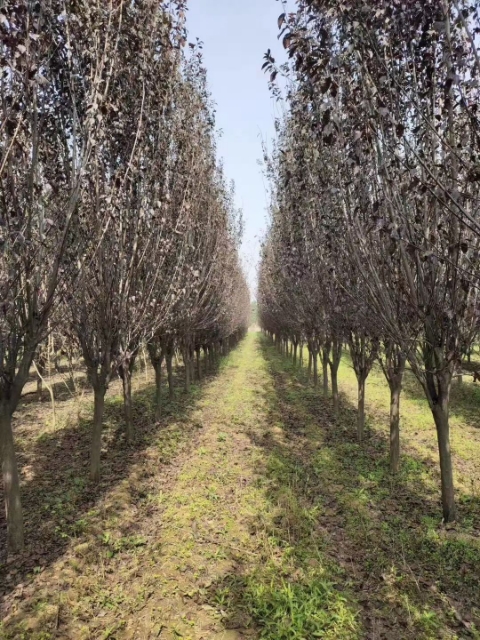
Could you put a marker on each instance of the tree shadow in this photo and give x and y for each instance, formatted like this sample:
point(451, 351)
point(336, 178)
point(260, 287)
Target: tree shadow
point(57, 496)
point(347, 536)
point(63, 390)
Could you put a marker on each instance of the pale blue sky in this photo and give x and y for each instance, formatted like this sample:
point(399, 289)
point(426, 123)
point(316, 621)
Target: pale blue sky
point(236, 34)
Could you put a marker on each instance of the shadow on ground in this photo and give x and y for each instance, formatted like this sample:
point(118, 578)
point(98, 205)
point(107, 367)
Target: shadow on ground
point(351, 551)
point(57, 495)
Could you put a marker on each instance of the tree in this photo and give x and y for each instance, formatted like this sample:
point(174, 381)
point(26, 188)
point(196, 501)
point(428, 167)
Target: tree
point(393, 94)
point(51, 92)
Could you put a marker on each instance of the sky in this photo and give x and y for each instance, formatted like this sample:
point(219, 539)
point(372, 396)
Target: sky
point(236, 34)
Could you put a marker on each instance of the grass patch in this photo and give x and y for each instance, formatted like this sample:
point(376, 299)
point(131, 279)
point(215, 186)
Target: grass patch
point(386, 532)
point(248, 511)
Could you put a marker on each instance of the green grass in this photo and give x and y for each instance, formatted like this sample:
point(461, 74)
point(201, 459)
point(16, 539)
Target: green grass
point(426, 574)
point(250, 511)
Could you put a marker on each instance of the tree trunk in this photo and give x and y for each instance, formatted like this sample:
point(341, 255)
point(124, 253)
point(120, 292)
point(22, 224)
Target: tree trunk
point(334, 376)
point(199, 365)
point(205, 360)
point(158, 388)
point(127, 402)
point(301, 355)
point(440, 415)
point(41, 365)
point(96, 446)
point(186, 360)
point(315, 369)
point(170, 374)
point(395, 392)
point(295, 347)
point(325, 373)
point(11, 484)
point(361, 408)
point(191, 359)
point(310, 362)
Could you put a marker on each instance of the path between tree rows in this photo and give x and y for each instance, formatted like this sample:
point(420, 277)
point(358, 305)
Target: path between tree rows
point(256, 527)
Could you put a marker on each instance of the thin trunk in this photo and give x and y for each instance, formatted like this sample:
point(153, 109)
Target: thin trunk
point(440, 415)
point(199, 365)
point(334, 377)
point(315, 369)
point(334, 359)
point(96, 445)
point(301, 355)
point(295, 347)
point(325, 372)
point(145, 364)
point(40, 382)
point(192, 365)
point(127, 402)
point(41, 366)
point(170, 374)
point(393, 366)
point(186, 360)
point(205, 360)
point(11, 484)
point(310, 362)
point(71, 372)
point(158, 388)
point(395, 392)
point(361, 408)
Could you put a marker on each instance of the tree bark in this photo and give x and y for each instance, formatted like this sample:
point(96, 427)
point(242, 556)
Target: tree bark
point(395, 392)
point(393, 366)
point(11, 484)
point(334, 377)
point(158, 388)
point(440, 415)
point(361, 409)
point(205, 360)
point(96, 445)
point(310, 362)
point(186, 360)
point(41, 374)
point(192, 365)
point(334, 359)
point(199, 365)
point(126, 374)
point(127, 403)
point(325, 354)
point(169, 359)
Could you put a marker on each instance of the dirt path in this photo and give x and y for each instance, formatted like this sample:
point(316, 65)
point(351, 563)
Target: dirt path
point(205, 523)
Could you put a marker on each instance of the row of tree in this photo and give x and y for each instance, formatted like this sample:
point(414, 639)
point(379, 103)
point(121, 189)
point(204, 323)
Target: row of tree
point(375, 229)
point(117, 228)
